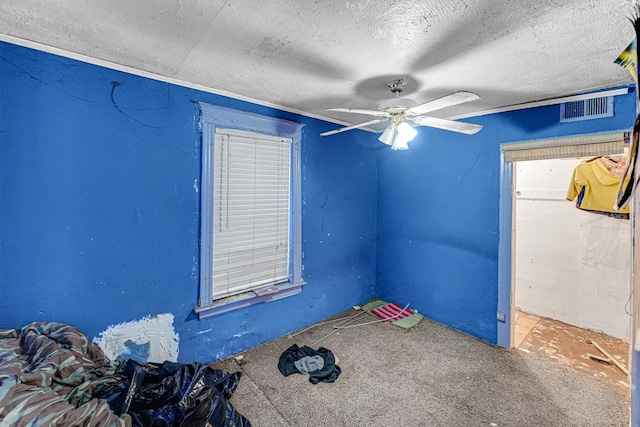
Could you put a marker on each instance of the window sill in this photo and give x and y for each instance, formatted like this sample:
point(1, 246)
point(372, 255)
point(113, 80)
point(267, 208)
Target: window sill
point(247, 299)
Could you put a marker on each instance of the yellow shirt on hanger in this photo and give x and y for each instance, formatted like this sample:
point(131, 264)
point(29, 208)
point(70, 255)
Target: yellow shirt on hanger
point(600, 187)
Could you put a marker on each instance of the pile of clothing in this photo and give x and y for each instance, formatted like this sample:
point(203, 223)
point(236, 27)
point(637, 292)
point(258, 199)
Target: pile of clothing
point(319, 364)
point(52, 374)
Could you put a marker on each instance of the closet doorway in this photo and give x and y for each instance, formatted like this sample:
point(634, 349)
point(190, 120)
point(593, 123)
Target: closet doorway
point(557, 261)
point(571, 265)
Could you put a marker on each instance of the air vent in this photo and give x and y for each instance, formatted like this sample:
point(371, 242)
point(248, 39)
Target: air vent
point(587, 109)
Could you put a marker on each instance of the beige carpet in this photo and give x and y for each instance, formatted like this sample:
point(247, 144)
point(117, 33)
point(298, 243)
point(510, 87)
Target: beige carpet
point(430, 375)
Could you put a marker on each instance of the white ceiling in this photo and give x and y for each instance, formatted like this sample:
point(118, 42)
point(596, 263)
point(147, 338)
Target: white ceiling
point(309, 55)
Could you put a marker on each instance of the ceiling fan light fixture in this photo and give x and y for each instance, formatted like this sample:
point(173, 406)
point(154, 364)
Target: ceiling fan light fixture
point(404, 134)
point(398, 135)
point(389, 134)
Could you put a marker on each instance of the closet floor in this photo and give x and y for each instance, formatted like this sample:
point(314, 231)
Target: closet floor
point(567, 345)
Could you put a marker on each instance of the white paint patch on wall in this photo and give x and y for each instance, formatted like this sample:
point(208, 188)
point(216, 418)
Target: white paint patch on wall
point(571, 265)
point(150, 338)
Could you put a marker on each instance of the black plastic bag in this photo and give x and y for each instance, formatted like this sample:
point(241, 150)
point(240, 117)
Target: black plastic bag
point(173, 395)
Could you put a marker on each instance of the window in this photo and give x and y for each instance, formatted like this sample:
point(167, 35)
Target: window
point(250, 243)
point(250, 212)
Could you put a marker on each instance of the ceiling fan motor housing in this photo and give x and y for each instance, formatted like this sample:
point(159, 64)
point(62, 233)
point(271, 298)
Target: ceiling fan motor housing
point(396, 105)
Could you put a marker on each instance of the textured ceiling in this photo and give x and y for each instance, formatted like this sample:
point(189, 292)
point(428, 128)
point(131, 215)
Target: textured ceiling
point(307, 56)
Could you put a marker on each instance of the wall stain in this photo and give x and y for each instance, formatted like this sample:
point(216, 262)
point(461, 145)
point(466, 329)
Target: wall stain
point(322, 205)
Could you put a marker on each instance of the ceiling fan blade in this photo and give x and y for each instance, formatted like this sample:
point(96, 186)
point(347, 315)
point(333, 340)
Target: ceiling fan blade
point(360, 125)
point(434, 122)
point(445, 101)
point(360, 111)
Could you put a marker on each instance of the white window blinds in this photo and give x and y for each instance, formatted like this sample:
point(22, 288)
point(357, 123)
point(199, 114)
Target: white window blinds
point(251, 213)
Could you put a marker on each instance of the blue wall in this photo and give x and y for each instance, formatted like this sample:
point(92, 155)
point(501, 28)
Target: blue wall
point(438, 213)
point(99, 220)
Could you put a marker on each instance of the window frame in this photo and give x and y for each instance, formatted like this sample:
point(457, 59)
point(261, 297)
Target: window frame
point(212, 117)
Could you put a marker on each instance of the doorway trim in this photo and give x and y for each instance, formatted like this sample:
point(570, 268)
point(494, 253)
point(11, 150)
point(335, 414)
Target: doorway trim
point(505, 255)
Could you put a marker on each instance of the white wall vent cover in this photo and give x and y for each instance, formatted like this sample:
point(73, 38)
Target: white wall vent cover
point(586, 109)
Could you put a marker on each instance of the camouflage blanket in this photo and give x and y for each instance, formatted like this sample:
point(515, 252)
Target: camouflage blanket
point(48, 372)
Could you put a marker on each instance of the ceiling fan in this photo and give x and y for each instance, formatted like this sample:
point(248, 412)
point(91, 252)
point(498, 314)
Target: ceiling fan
point(403, 114)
